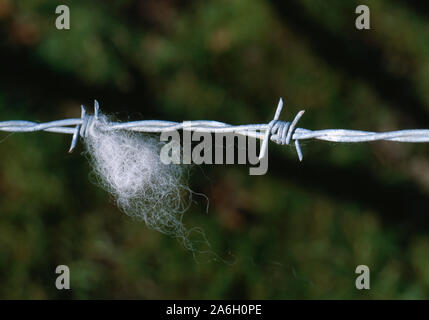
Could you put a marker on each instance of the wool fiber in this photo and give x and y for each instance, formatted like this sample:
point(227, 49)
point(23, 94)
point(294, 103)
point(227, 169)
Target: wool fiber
point(127, 164)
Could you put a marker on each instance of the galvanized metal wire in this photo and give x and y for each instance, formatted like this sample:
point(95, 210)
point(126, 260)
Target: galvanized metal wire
point(278, 131)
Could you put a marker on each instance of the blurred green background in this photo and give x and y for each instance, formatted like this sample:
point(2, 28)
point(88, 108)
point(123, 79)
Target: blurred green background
point(297, 232)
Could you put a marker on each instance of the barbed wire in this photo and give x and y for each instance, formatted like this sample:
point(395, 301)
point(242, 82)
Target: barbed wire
point(278, 131)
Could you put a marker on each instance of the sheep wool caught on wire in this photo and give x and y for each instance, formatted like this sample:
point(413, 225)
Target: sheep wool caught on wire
point(128, 165)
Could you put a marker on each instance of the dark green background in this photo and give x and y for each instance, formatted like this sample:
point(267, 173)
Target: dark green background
point(297, 232)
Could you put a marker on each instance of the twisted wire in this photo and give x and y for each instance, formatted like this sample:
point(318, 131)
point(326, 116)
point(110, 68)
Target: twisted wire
point(278, 131)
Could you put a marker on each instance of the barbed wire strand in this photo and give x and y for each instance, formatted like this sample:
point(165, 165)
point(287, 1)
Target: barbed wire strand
point(278, 131)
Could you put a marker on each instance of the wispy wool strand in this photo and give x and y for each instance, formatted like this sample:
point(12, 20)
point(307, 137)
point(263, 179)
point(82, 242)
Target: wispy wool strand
point(128, 166)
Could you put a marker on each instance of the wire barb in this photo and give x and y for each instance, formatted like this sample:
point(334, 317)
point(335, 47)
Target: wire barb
point(83, 128)
point(281, 132)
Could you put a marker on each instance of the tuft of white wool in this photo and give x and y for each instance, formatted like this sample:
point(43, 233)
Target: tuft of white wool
point(128, 166)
